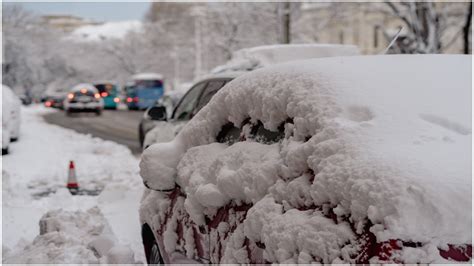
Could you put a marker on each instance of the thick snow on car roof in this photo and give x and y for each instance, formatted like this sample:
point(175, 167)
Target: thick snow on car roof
point(266, 55)
point(147, 76)
point(227, 74)
point(87, 86)
point(279, 53)
point(387, 137)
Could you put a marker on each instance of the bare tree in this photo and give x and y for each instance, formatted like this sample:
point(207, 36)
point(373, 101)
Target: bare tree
point(467, 31)
point(232, 26)
point(286, 22)
point(428, 27)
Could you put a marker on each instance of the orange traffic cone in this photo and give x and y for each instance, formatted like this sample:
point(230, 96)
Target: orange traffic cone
point(72, 184)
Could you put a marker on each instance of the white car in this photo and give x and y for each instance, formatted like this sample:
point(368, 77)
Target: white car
point(363, 159)
point(164, 127)
point(83, 97)
point(11, 105)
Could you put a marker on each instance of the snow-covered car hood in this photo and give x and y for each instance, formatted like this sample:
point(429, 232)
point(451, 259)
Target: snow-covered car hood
point(387, 137)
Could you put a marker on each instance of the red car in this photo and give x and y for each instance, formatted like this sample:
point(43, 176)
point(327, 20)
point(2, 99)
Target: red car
point(340, 160)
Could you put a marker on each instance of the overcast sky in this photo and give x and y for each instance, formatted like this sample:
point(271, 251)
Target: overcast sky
point(111, 11)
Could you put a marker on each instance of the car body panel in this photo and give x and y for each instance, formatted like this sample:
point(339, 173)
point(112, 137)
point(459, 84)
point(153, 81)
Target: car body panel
point(147, 124)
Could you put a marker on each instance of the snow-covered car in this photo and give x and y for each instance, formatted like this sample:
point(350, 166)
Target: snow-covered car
point(11, 105)
point(165, 104)
point(160, 125)
point(248, 59)
point(83, 97)
point(242, 61)
point(334, 160)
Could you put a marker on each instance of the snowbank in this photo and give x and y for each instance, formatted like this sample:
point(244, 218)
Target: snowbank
point(378, 141)
point(35, 175)
point(109, 30)
point(73, 237)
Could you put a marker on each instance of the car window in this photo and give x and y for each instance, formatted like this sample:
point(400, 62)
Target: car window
point(212, 88)
point(229, 134)
point(186, 105)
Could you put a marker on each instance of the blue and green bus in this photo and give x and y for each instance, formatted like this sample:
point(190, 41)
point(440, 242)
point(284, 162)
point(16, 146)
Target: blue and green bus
point(109, 92)
point(144, 90)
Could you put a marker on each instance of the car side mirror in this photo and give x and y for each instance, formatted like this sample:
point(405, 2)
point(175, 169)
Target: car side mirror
point(158, 113)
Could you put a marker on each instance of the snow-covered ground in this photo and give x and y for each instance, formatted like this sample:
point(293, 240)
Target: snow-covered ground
point(34, 177)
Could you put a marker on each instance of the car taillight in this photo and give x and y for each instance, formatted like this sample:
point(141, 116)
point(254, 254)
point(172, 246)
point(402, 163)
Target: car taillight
point(116, 100)
point(129, 100)
point(104, 94)
point(70, 96)
point(97, 96)
point(135, 99)
point(47, 104)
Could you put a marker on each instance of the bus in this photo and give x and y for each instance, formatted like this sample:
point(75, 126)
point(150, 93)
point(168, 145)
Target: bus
point(144, 90)
point(108, 91)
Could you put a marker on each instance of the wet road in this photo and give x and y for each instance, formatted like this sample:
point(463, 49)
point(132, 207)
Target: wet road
point(119, 126)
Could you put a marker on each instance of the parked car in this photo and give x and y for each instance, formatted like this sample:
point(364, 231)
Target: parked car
point(195, 98)
point(11, 105)
point(83, 97)
point(335, 160)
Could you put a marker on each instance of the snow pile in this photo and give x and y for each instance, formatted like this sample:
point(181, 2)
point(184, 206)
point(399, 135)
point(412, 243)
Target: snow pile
point(377, 141)
point(162, 132)
point(108, 30)
point(35, 175)
point(228, 170)
point(73, 237)
point(261, 56)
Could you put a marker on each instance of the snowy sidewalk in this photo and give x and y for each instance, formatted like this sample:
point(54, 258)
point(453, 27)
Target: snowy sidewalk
point(34, 176)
